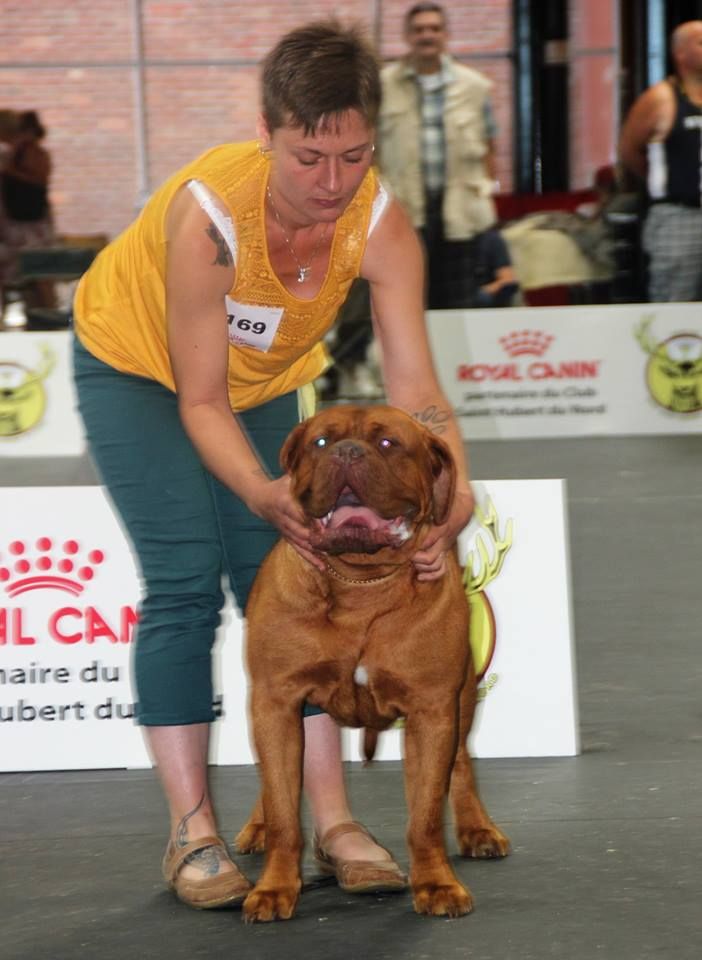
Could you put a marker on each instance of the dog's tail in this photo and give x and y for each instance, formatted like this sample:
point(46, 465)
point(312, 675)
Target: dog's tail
point(370, 742)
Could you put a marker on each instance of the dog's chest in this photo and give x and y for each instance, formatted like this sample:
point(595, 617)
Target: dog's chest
point(360, 676)
point(363, 693)
point(369, 640)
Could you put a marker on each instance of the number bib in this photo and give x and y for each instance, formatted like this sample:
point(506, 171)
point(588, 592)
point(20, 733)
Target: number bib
point(252, 326)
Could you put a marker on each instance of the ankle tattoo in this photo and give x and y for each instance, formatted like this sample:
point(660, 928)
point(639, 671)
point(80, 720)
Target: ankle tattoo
point(181, 835)
point(209, 859)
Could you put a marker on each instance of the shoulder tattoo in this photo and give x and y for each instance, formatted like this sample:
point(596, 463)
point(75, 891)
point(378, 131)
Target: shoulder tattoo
point(223, 257)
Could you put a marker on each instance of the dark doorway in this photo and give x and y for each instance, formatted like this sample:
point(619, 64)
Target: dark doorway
point(542, 142)
point(633, 32)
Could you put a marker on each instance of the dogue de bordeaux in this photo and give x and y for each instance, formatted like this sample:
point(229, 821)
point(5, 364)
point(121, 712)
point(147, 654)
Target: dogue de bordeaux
point(367, 642)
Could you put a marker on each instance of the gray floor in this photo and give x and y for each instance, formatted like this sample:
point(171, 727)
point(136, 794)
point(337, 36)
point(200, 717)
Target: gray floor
point(607, 846)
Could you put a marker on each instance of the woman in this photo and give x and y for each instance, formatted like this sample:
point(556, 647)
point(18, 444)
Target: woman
point(8, 130)
point(25, 197)
point(216, 300)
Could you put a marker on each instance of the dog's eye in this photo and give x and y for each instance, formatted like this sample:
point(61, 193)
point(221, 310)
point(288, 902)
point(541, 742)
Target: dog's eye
point(321, 442)
point(385, 443)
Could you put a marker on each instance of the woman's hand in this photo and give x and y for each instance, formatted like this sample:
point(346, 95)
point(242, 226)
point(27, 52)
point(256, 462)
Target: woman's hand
point(430, 561)
point(274, 502)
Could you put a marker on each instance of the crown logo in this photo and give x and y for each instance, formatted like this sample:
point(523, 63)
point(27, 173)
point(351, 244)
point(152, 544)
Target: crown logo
point(521, 342)
point(46, 566)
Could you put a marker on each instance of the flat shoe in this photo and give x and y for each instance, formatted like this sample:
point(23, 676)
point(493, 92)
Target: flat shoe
point(224, 889)
point(358, 876)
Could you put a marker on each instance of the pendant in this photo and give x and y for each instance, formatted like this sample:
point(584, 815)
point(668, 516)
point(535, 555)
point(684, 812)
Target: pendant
point(302, 274)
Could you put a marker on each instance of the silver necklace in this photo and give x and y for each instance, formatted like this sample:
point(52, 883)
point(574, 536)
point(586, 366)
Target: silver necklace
point(303, 271)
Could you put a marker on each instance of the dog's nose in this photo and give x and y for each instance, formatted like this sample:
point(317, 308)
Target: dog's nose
point(348, 450)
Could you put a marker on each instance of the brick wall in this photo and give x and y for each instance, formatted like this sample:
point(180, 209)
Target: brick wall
point(131, 89)
point(116, 131)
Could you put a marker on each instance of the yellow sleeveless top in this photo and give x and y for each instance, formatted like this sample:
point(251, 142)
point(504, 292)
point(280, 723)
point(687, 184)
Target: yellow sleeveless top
point(120, 303)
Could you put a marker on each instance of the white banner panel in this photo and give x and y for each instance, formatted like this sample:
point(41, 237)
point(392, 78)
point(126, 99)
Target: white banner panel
point(68, 601)
point(570, 371)
point(38, 416)
point(68, 607)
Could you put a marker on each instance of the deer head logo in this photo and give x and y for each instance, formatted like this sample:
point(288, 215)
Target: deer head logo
point(482, 619)
point(674, 370)
point(22, 396)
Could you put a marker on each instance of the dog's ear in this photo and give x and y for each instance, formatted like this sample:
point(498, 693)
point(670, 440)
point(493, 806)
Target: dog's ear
point(292, 448)
point(444, 479)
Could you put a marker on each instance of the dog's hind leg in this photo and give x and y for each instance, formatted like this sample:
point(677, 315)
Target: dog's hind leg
point(252, 836)
point(476, 834)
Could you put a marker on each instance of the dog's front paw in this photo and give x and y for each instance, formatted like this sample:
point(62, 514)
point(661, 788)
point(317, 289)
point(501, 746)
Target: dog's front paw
point(485, 843)
point(442, 899)
point(262, 906)
point(251, 838)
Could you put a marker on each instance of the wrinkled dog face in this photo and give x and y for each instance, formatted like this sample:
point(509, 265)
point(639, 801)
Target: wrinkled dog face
point(368, 477)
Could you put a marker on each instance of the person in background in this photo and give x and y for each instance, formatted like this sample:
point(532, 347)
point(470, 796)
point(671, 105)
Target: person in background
point(200, 332)
point(25, 198)
point(495, 281)
point(661, 142)
point(8, 130)
point(437, 151)
point(353, 375)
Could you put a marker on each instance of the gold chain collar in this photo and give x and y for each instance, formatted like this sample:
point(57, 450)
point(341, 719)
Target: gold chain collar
point(360, 581)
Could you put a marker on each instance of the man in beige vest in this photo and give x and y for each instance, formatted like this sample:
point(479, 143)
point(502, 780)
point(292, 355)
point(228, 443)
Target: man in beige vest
point(436, 139)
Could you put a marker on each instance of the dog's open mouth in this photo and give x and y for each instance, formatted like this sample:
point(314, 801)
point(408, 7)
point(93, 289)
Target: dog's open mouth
point(353, 527)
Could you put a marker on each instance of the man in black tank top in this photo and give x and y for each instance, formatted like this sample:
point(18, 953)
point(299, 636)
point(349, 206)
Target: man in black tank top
point(661, 142)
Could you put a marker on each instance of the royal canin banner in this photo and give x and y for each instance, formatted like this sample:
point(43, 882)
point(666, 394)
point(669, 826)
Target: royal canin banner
point(69, 595)
point(38, 416)
point(571, 371)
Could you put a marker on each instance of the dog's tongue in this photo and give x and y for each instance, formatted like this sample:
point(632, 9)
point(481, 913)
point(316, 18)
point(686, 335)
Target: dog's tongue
point(356, 516)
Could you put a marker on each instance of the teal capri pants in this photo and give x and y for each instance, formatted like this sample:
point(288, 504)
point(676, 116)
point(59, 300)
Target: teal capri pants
point(186, 528)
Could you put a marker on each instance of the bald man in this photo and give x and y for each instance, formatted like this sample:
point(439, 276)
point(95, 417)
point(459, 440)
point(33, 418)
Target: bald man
point(661, 142)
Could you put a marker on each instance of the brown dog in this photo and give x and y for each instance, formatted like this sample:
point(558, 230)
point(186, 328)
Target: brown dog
point(367, 642)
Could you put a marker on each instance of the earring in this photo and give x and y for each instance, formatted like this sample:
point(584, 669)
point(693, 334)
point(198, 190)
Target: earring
point(264, 151)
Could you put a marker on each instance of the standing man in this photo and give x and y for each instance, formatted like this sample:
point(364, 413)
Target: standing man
point(436, 139)
point(661, 142)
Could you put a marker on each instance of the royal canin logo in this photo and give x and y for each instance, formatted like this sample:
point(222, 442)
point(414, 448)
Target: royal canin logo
point(66, 566)
point(45, 566)
point(533, 343)
point(527, 343)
